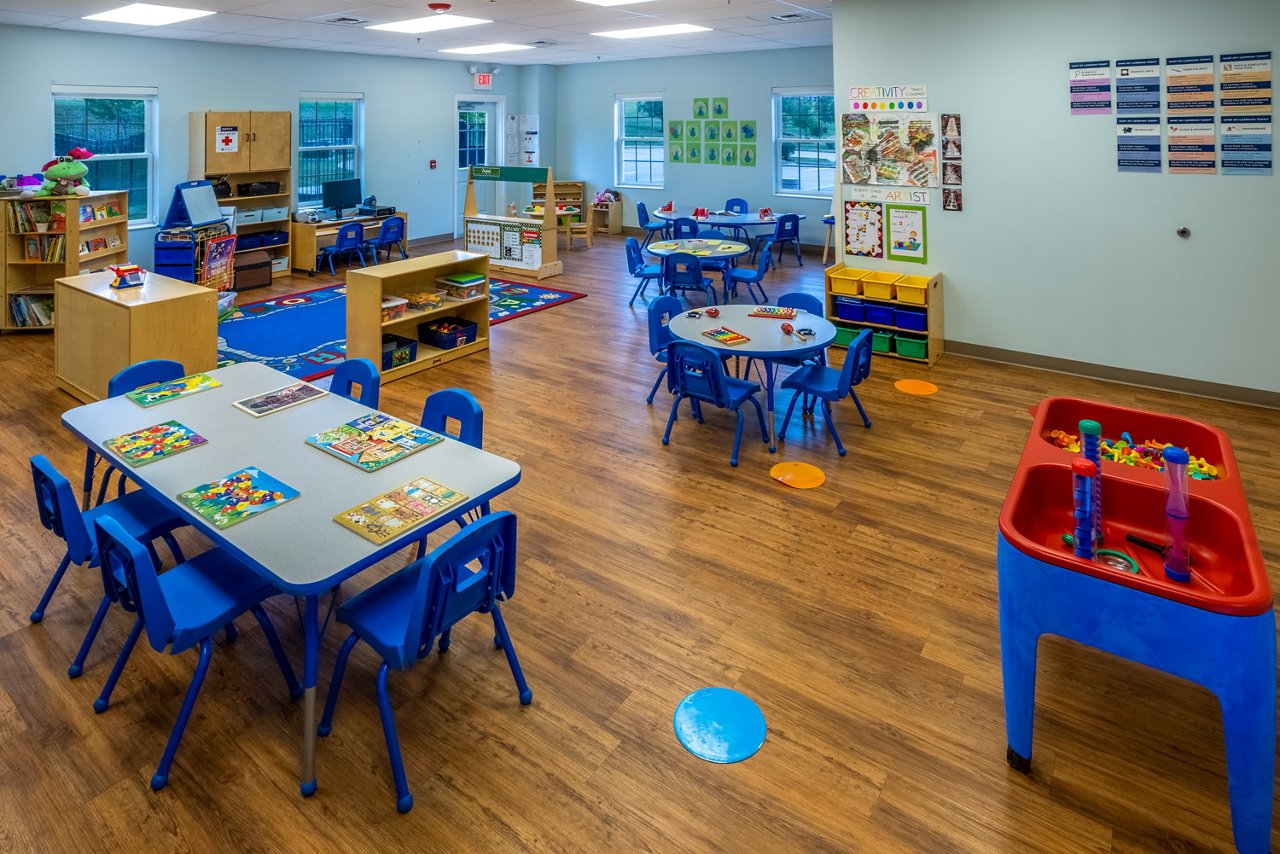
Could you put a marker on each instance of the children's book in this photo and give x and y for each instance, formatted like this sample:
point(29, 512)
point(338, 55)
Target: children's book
point(97, 244)
point(153, 443)
point(160, 392)
point(86, 213)
point(281, 398)
point(776, 311)
point(725, 335)
point(374, 440)
point(236, 497)
point(395, 512)
point(463, 278)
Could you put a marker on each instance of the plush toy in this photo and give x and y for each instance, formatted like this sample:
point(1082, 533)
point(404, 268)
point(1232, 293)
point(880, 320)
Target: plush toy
point(64, 176)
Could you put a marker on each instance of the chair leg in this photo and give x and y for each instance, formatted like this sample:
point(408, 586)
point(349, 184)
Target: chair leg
point(640, 289)
point(101, 704)
point(161, 777)
point(737, 438)
point(404, 800)
point(273, 640)
point(38, 614)
point(782, 432)
point(77, 666)
point(671, 419)
point(331, 270)
point(829, 420)
point(656, 383)
point(174, 548)
point(231, 632)
point(339, 668)
point(764, 298)
point(764, 431)
point(504, 637)
point(90, 467)
point(866, 422)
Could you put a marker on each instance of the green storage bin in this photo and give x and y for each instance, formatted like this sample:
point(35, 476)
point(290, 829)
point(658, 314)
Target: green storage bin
point(881, 341)
point(845, 336)
point(912, 346)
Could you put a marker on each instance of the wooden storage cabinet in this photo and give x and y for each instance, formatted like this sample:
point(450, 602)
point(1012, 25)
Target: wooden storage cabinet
point(366, 288)
point(263, 142)
point(101, 331)
point(926, 295)
point(571, 194)
point(34, 259)
point(608, 216)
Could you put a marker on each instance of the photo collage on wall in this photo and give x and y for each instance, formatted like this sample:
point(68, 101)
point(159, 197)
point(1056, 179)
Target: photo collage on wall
point(952, 167)
point(889, 149)
point(712, 137)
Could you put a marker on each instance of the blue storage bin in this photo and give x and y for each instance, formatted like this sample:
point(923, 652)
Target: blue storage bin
point(182, 272)
point(175, 252)
point(879, 314)
point(274, 238)
point(248, 241)
point(850, 308)
point(910, 318)
point(397, 351)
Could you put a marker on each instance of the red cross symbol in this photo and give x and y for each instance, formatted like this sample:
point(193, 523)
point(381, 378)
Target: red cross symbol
point(226, 140)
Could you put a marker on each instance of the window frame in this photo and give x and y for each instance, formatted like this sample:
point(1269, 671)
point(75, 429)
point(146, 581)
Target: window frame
point(620, 141)
point(483, 148)
point(357, 147)
point(150, 96)
point(777, 96)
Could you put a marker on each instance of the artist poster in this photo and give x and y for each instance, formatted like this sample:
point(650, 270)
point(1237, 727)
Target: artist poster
point(1138, 144)
point(890, 149)
point(1090, 87)
point(864, 229)
point(1138, 86)
point(1189, 85)
point(1245, 87)
point(906, 238)
point(1192, 145)
point(1246, 145)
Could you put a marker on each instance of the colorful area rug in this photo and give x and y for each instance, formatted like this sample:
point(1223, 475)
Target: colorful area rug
point(509, 300)
point(304, 334)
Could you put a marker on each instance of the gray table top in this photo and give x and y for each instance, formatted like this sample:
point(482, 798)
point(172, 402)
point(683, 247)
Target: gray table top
point(768, 341)
point(714, 219)
point(297, 545)
point(701, 247)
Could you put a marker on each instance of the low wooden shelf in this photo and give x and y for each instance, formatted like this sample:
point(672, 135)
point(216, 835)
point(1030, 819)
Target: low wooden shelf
point(836, 287)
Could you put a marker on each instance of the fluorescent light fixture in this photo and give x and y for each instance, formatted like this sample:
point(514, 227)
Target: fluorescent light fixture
point(429, 25)
point(649, 32)
point(612, 2)
point(500, 47)
point(147, 15)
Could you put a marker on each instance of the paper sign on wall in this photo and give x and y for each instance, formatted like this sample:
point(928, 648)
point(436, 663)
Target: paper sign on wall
point(1090, 87)
point(1246, 145)
point(859, 193)
point(900, 99)
point(889, 149)
point(1138, 86)
point(226, 139)
point(1192, 145)
point(1189, 85)
point(1246, 83)
point(906, 239)
point(864, 229)
point(1138, 144)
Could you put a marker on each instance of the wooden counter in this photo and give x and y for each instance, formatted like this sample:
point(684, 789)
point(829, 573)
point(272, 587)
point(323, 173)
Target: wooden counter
point(100, 331)
point(307, 238)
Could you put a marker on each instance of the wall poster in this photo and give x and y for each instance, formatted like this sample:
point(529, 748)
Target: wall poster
point(1192, 145)
point(890, 149)
point(1189, 85)
point(906, 237)
point(1246, 145)
point(1137, 86)
point(1245, 86)
point(864, 229)
point(1138, 144)
point(1090, 87)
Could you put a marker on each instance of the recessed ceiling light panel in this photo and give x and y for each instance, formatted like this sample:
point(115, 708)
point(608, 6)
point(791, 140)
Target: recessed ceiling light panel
point(612, 2)
point(500, 47)
point(147, 15)
point(429, 25)
point(650, 32)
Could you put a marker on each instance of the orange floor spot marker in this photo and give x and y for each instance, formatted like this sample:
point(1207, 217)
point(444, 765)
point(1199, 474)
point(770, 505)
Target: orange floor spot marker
point(799, 475)
point(915, 387)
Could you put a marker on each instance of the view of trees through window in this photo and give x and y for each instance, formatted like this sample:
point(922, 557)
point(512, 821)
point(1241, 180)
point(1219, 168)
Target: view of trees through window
point(471, 138)
point(641, 147)
point(806, 143)
point(328, 145)
point(115, 130)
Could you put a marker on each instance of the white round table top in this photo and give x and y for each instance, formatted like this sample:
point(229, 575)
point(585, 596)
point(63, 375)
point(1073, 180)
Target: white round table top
point(767, 340)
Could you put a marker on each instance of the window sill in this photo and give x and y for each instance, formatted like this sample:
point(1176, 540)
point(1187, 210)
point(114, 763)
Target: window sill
point(643, 186)
point(138, 224)
point(793, 195)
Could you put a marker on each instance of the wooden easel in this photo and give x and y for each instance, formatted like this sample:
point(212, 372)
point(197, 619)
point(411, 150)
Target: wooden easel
point(546, 225)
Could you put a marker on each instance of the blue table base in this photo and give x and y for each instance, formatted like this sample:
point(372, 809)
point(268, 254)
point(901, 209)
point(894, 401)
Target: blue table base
point(1234, 657)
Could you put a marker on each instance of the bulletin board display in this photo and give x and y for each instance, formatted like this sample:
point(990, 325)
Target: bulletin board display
point(513, 244)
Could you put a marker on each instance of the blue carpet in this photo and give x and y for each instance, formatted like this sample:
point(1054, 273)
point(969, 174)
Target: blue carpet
point(304, 334)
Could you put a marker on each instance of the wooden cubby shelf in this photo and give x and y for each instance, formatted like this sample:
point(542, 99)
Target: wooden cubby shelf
point(926, 296)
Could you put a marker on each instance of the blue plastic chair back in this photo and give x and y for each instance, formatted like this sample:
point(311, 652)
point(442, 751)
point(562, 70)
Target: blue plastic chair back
point(712, 233)
point(125, 560)
point(694, 370)
point(448, 589)
point(684, 228)
point(659, 335)
point(144, 373)
point(857, 362)
point(459, 405)
point(391, 231)
point(361, 372)
point(806, 302)
point(788, 228)
point(683, 270)
point(737, 206)
point(58, 510)
point(635, 260)
point(642, 214)
point(350, 238)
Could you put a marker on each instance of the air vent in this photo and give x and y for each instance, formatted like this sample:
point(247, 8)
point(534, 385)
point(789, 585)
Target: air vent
point(542, 43)
point(344, 21)
point(792, 17)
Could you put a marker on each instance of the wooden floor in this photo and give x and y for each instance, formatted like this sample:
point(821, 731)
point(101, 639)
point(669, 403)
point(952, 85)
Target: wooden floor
point(861, 616)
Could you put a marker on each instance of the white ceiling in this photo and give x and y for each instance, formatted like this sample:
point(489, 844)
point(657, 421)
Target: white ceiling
point(559, 29)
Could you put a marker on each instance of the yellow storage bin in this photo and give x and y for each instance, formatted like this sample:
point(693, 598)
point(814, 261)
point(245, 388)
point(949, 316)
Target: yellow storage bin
point(879, 285)
point(846, 280)
point(913, 289)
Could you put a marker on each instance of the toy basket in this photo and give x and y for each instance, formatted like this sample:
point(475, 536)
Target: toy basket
point(397, 351)
point(879, 285)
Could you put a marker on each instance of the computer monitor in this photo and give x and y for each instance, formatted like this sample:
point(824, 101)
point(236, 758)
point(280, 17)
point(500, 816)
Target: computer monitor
point(340, 195)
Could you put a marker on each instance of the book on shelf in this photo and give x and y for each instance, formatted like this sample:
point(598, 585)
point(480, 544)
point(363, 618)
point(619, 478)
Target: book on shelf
point(86, 213)
point(84, 247)
point(113, 241)
point(33, 251)
point(57, 216)
point(97, 244)
point(31, 310)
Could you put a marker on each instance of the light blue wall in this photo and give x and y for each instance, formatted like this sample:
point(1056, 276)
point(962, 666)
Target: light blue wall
point(586, 96)
point(408, 106)
point(1056, 253)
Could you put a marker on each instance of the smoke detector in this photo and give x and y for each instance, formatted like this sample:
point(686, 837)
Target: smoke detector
point(439, 8)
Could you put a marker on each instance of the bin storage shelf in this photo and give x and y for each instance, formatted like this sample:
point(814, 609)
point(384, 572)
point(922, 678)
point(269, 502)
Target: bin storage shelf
point(914, 311)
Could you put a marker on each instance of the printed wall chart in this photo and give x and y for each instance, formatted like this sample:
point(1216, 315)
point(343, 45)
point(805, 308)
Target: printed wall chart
point(864, 229)
point(1090, 87)
point(890, 149)
point(1189, 85)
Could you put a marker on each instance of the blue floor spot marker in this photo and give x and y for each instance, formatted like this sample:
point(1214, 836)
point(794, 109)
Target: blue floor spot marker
point(719, 725)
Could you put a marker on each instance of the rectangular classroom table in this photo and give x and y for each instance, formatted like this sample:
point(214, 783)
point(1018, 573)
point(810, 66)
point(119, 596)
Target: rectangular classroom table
point(296, 546)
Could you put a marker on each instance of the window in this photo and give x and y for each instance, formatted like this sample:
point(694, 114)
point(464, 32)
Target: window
point(118, 126)
point(804, 133)
point(640, 146)
point(472, 132)
point(329, 138)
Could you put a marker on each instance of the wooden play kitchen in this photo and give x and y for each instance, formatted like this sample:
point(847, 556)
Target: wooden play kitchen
point(904, 312)
point(1207, 618)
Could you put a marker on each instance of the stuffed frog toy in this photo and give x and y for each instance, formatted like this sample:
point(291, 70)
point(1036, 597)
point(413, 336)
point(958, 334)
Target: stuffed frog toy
point(64, 176)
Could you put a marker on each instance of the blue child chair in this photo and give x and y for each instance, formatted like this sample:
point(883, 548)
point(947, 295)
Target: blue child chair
point(390, 233)
point(179, 610)
point(753, 278)
point(401, 616)
point(720, 265)
point(358, 371)
point(696, 373)
point(659, 335)
point(650, 226)
point(135, 376)
point(684, 228)
point(449, 406)
point(787, 231)
point(737, 206)
point(682, 271)
point(350, 241)
point(829, 385)
point(136, 512)
point(638, 268)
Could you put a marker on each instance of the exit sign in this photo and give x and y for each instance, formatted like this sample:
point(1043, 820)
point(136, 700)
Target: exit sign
point(484, 80)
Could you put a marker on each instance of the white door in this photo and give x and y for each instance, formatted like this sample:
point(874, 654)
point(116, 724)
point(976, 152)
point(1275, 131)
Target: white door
point(479, 143)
